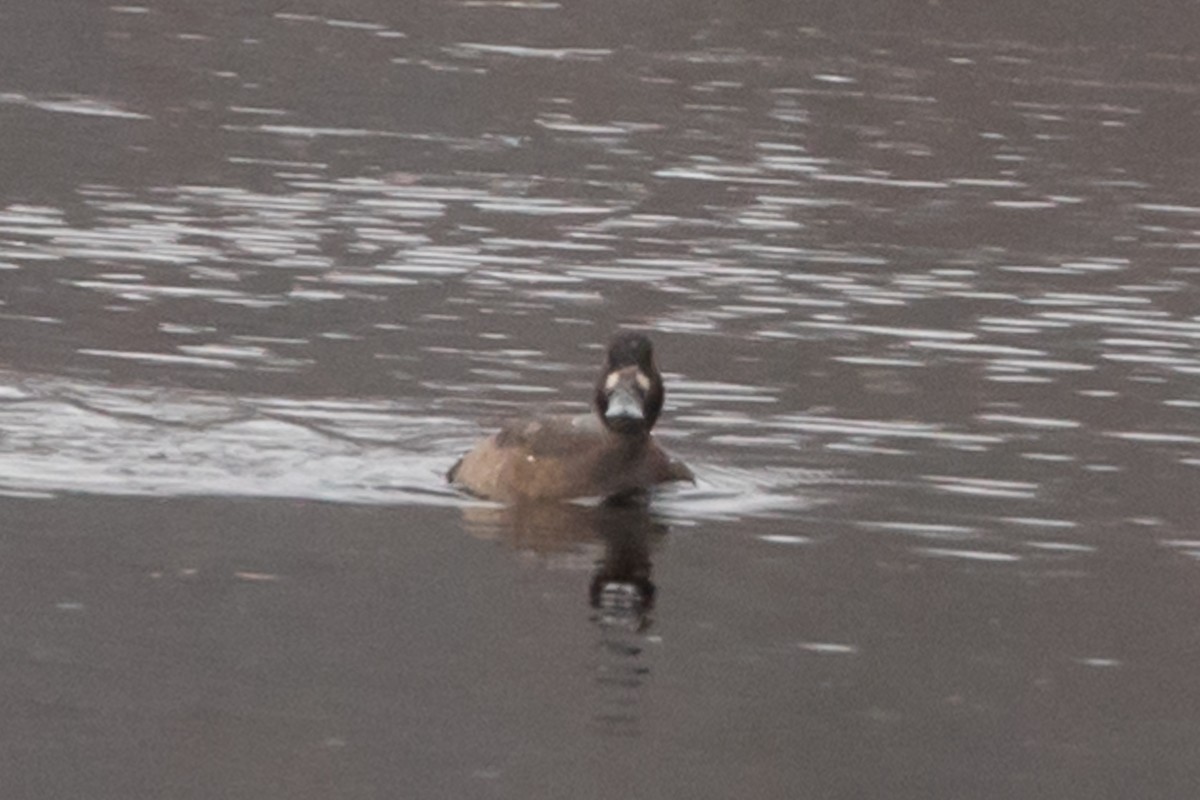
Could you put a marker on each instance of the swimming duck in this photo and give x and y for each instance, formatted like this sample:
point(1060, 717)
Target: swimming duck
point(608, 454)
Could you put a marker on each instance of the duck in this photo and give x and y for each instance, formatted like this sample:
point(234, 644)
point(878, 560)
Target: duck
point(609, 453)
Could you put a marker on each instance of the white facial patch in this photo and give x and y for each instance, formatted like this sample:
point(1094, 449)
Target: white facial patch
point(643, 381)
point(612, 380)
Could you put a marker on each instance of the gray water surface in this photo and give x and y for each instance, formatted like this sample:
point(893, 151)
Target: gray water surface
point(923, 286)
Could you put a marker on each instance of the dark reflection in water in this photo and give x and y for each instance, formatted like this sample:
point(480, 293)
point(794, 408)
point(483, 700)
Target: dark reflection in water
point(621, 591)
point(926, 274)
point(625, 531)
point(622, 595)
point(619, 539)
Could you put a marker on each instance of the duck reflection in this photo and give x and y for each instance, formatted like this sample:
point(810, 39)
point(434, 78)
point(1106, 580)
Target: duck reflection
point(615, 538)
point(621, 590)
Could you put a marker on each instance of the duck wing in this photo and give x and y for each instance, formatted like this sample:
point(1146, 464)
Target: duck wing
point(551, 437)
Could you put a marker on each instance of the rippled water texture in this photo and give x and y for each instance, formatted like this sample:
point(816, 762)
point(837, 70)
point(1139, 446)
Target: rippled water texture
point(924, 288)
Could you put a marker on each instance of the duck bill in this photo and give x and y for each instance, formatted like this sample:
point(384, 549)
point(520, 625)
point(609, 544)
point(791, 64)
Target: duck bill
point(624, 411)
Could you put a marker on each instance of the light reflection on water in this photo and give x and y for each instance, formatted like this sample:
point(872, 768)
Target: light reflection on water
point(70, 436)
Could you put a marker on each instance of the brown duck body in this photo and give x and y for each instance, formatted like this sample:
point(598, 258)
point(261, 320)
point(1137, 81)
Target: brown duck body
point(607, 454)
point(561, 457)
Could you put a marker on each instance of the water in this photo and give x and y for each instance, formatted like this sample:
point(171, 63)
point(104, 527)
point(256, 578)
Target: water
point(923, 287)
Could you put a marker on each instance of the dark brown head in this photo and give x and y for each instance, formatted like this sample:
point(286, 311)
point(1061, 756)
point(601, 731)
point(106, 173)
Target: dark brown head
point(629, 393)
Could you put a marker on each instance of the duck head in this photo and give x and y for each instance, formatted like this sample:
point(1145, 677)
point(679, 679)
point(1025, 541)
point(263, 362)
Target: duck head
point(629, 392)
